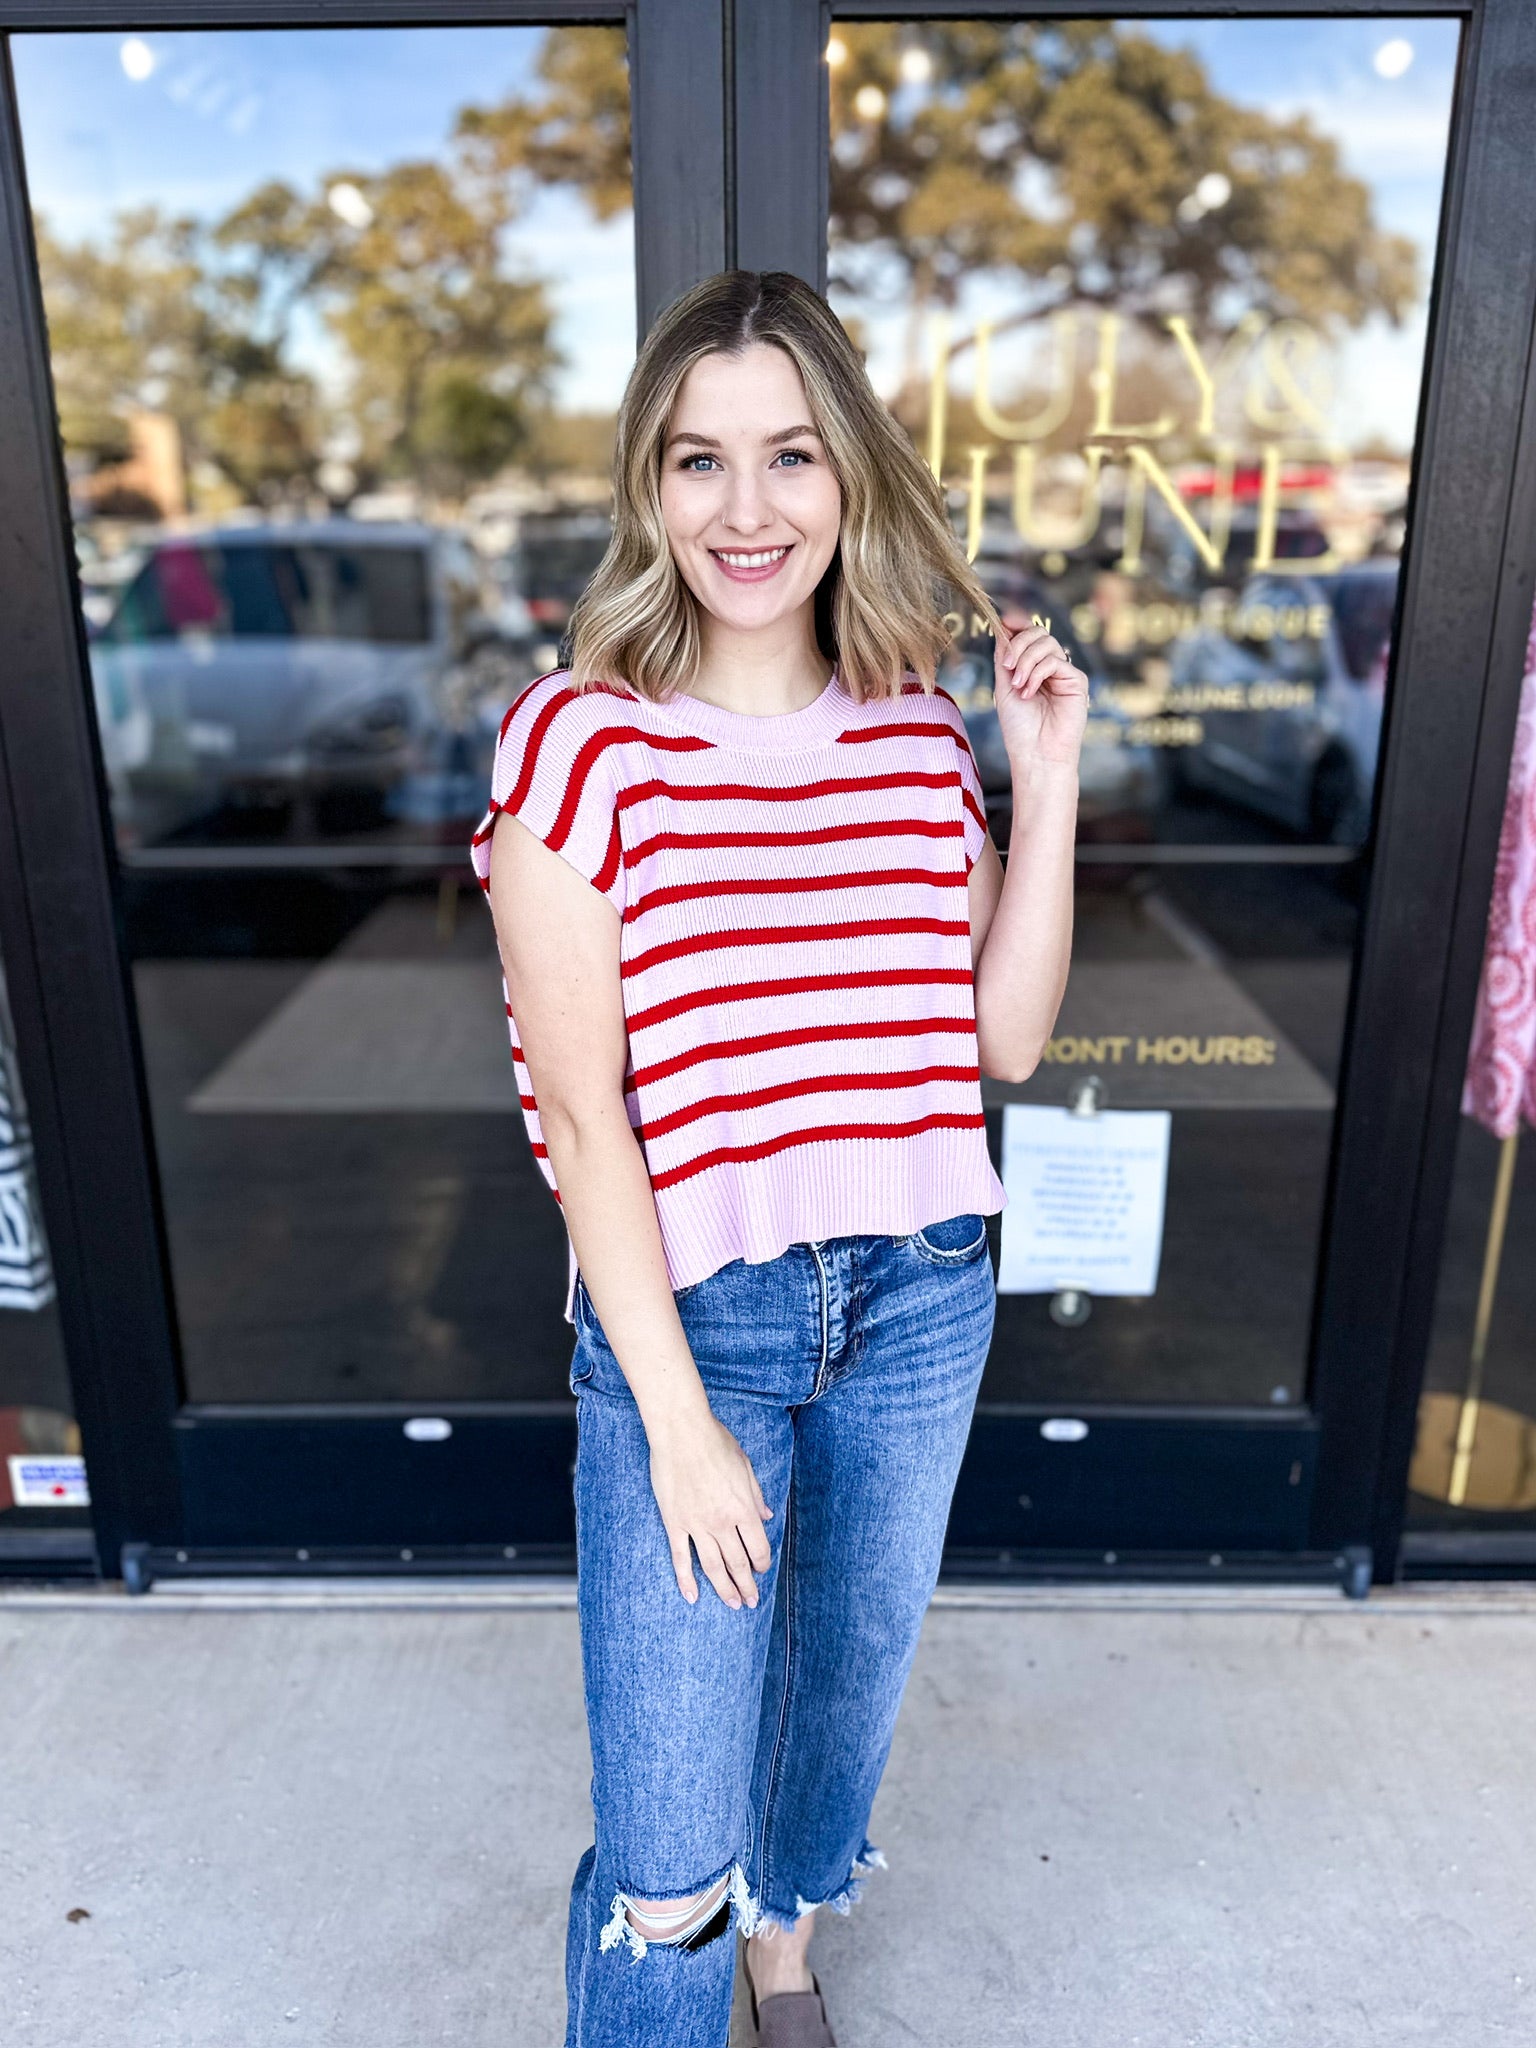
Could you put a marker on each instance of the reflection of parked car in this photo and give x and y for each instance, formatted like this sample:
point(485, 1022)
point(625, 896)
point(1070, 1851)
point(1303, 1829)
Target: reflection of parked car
point(102, 576)
point(1298, 538)
point(555, 556)
point(342, 663)
point(1311, 762)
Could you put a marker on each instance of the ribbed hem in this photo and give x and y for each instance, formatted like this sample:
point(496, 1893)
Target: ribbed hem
point(846, 1187)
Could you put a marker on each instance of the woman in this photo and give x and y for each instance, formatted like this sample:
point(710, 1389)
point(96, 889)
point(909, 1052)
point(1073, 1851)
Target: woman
point(757, 945)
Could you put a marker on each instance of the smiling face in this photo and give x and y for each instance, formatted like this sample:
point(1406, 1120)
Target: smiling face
point(751, 505)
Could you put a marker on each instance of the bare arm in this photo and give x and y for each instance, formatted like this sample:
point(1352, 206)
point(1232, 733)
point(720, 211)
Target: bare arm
point(1021, 921)
point(559, 944)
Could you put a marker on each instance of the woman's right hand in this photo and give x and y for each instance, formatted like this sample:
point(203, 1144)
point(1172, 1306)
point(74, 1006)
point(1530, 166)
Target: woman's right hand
point(708, 1494)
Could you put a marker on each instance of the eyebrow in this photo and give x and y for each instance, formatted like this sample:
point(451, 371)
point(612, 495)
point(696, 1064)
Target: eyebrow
point(769, 440)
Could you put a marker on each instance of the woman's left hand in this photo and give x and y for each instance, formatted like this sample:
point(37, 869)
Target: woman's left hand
point(1042, 700)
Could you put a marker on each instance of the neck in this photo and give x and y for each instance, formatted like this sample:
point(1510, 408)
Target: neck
point(764, 673)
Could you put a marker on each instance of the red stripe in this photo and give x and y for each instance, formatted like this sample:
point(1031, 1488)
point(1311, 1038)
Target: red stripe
point(548, 713)
point(790, 934)
point(788, 885)
point(586, 759)
point(728, 1155)
point(974, 808)
point(807, 1035)
point(521, 698)
point(829, 785)
point(816, 835)
point(613, 860)
point(915, 730)
point(811, 1084)
point(797, 984)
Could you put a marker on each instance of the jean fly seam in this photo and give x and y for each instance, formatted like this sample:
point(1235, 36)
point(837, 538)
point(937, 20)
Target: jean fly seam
point(787, 1584)
point(826, 1320)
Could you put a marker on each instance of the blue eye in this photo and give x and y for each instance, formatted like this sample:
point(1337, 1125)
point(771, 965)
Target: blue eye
point(688, 461)
point(800, 455)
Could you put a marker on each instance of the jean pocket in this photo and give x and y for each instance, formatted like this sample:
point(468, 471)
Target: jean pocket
point(958, 1241)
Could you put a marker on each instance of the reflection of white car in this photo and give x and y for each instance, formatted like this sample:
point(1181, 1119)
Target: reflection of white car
point(344, 664)
point(1309, 763)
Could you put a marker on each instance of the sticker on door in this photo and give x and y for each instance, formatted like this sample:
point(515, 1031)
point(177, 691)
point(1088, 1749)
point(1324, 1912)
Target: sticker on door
point(57, 1482)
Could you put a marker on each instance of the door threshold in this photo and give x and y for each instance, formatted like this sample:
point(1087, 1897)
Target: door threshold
point(557, 1594)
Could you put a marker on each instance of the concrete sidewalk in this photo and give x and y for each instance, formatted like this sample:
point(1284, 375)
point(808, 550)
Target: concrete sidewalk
point(1113, 1820)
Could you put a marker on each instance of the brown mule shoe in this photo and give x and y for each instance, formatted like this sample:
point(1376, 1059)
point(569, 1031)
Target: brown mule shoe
point(792, 2019)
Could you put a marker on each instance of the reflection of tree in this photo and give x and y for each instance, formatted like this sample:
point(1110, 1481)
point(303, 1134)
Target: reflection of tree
point(575, 132)
point(1072, 154)
point(142, 324)
point(445, 342)
point(448, 355)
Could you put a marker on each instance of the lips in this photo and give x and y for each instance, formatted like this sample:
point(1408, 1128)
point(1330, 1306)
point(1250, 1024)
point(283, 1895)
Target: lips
point(750, 565)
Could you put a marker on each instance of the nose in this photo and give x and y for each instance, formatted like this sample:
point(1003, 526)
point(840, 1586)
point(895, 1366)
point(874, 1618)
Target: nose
point(745, 508)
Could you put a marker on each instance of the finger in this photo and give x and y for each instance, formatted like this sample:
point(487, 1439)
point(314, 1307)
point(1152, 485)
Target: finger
point(751, 1534)
point(738, 1564)
point(713, 1564)
point(682, 1565)
point(762, 1499)
point(1015, 645)
point(1040, 662)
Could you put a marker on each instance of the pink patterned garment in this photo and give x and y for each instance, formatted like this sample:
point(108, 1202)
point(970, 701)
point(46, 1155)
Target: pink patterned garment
point(795, 953)
point(1500, 1085)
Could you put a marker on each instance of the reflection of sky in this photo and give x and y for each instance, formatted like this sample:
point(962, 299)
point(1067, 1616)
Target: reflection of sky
point(1391, 133)
point(224, 110)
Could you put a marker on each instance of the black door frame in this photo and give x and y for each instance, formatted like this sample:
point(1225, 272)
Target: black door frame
point(744, 180)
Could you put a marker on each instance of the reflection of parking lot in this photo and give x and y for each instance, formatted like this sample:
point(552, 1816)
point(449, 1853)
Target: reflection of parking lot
point(336, 677)
point(1245, 712)
point(350, 1193)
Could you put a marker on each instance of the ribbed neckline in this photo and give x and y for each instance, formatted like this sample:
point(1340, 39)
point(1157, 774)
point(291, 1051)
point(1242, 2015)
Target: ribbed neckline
point(816, 724)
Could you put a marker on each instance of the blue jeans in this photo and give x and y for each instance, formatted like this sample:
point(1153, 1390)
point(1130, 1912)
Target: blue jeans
point(748, 1743)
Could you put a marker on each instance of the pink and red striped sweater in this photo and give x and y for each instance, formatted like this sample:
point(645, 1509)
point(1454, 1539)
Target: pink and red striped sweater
point(795, 953)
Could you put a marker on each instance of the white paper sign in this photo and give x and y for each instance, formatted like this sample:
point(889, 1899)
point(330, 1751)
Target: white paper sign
point(1085, 1199)
point(56, 1482)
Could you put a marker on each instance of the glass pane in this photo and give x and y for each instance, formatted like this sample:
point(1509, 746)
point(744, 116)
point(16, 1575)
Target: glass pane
point(338, 320)
point(1152, 298)
point(41, 1479)
point(1474, 1465)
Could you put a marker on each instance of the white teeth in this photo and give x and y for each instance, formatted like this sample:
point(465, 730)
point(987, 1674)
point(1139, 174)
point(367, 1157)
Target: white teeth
point(757, 561)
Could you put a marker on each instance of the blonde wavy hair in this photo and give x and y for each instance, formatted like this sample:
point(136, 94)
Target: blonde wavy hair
point(898, 566)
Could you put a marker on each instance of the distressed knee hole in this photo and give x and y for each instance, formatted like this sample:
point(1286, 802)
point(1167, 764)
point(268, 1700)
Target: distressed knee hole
point(691, 1923)
point(672, 1920)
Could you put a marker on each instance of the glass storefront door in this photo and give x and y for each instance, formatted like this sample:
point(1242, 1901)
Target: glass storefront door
point(1472, 1480)
point(338, 322)
point(1151, 297)
point(1213, 331)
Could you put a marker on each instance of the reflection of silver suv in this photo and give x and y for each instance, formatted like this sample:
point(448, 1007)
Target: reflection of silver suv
point(337, 663)
point(1300, 740)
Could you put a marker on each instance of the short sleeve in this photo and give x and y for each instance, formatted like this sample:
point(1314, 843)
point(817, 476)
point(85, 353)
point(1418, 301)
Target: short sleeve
point(972, 797)
point(555, 770)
